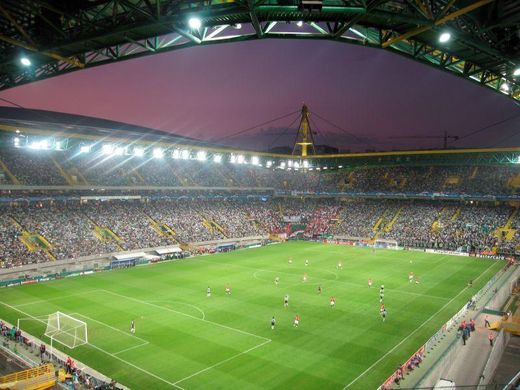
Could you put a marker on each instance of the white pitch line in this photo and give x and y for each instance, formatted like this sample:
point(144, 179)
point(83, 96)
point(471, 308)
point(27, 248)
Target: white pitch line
point(223, 361)
point(412, 333)
point(186, 315)
point(109, 326)
point(181, 303)
point(102, 350)
point(136, 367)
point(130, 348)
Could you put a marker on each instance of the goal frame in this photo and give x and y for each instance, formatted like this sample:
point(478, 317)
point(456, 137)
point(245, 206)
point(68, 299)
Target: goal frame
point(52, 335)
point(386, 244)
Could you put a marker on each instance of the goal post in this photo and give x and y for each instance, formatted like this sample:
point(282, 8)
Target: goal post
point(66, 330)
point(388, 244)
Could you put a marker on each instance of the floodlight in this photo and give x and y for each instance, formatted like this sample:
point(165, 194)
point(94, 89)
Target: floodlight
point(238, 26)
point(158, 153)
point(232, 159)
point(107, 149)
point(119, 151)
point(176, 154)
point(25, 61)
point(16, 142)
point(194, 23)
point(444, 37)
point(305, 164)
point(44, 144)
point(318, 168)
point(57, 145)
point(241, 159)
point(505, 87)
point(289, 163)
point(268, 164)
point(296, 165)
point(516, 72)
point(185, 154)
point(201, 155)
point(84, 149)
point(17, 131)
point(138, 152)
point(325, 167)
point(340, 166)
point(282, 165)
point(255, 160)
point(217, 158)
point(299, 23)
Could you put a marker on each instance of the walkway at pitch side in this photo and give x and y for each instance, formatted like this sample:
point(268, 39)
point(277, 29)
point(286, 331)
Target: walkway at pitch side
point(470, 359)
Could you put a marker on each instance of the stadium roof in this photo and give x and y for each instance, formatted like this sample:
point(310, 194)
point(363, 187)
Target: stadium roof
point(85, 126)
point(39, 123)
point(59, 37)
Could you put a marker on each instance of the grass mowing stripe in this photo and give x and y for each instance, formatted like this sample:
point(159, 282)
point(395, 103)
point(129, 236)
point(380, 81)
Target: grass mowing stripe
point(255, 275)
point(330, 349)
point(101, 350)
point(136, 367)
point(412, 333)
point(223, 361)
point(184, 314)
point(111, 327)
point(38, 301)
point(181, 303)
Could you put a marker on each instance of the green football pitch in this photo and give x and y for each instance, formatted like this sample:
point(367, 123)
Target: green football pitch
point(185, 339)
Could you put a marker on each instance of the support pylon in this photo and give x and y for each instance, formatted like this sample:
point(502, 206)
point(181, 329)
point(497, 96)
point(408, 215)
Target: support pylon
point(304, 138)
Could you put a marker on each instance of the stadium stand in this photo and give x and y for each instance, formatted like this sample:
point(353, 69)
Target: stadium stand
point(173, 199)
point(73, 230)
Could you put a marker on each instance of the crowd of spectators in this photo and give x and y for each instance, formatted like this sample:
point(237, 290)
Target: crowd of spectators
point(32, 167)
point(12, 251)
point(358, 218)
point(37, 167)
point(73, 229)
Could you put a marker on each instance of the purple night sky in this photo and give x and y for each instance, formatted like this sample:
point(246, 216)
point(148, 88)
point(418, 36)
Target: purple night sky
point(213, 91)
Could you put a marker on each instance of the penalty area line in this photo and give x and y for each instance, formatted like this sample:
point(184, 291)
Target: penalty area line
point(136, 367)
point(222, 362)
point(412, 333)
point(102, 350)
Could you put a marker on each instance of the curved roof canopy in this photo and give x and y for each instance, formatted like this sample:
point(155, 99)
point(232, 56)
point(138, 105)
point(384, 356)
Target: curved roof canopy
point(55, 37)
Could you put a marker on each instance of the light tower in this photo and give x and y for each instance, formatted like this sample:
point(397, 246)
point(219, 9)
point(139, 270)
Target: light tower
point(304, 138)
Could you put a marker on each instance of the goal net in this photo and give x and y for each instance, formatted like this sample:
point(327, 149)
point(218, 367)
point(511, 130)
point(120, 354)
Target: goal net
point(388, 244)
point(66, 330)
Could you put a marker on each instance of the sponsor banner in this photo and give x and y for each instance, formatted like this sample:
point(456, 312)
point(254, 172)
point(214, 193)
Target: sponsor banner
point(32, 281)
point(443, 252)
point(71, 275)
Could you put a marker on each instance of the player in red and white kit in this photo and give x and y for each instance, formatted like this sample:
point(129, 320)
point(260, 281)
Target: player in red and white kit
point(369, 282)
point(296, 322)
point(332, 302)
point(382, 311)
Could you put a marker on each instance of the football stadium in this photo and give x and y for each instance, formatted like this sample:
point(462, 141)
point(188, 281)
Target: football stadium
point(132, 257)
